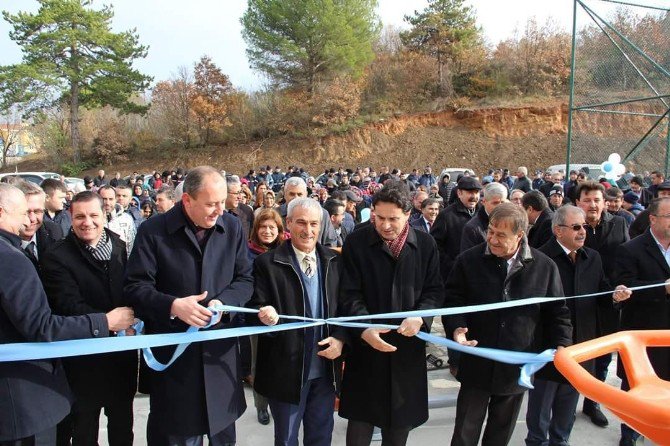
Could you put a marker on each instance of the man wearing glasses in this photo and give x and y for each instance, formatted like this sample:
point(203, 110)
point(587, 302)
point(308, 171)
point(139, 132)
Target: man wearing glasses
point(553, 401)
point(605, 233)
point(642, 261)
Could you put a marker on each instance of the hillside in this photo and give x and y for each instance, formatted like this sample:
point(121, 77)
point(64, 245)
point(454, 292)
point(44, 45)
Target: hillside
point(477, 138)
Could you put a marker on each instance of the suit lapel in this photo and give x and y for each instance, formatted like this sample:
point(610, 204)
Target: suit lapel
point(655, 252)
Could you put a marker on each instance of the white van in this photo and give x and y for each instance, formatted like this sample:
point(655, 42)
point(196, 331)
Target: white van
point(593, 170)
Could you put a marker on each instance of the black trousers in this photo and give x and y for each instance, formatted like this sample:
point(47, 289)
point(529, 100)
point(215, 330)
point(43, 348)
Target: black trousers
point(471, 411)
point(359, 433)
point(83, 423)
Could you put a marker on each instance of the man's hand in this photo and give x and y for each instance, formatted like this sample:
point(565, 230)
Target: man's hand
point(667, 286)
point(410, 326)
point(622, 293)
point(334, 349)
point(216, 303)
point(190, 311)
point(120, 318)
point(371, 336)
point(268, 315)
point(459, 336)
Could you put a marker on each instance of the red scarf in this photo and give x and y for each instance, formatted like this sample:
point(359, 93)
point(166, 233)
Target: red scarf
point(395, 246)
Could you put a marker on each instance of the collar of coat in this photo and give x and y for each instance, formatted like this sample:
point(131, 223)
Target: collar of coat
point(284, 253)
point(556, 250)
point(376, 239)
point(525, 255)
point(176, 219)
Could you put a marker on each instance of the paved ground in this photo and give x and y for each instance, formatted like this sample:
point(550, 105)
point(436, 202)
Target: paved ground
point(437, 430)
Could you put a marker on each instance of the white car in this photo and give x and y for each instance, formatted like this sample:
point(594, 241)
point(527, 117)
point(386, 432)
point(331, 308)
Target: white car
point(33, 177)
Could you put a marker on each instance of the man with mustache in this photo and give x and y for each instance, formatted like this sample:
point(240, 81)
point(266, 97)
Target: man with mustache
point(605, 233)
point(448, 230)
point(504, 268)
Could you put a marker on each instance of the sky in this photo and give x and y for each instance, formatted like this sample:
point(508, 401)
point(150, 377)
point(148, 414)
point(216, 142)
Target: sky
point(178, 33)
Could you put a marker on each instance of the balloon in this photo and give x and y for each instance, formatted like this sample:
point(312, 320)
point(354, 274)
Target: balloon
point(612, 168)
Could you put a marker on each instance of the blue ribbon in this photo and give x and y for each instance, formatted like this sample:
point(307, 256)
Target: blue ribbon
point(531, 362)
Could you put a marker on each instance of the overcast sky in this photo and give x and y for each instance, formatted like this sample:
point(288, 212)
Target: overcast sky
point(179, 32)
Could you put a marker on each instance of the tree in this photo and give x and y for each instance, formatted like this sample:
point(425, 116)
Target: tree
point(172, 111)
point(299, 43)
point(70, 48)
point(445, 30)
point(212, 96)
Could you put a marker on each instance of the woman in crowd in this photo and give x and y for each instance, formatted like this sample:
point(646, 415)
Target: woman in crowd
point(266, 234)
point(261, 190)
point(268, 203)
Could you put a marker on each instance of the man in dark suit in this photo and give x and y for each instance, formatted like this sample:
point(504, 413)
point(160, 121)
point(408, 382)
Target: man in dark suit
point(83, 273)
point(605, 233)
point(505, 268)
point(430, 208)
point(38, 237)
point(233, 206)
point(191, 257)
point(34, 395)
point(553, 401)
point(643, 261)
point(295, 369)
point(54, 202)
point(387, 267)
point(539, 215)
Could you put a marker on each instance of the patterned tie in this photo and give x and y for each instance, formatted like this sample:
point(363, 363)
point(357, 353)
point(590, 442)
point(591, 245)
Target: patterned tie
point(307, 263)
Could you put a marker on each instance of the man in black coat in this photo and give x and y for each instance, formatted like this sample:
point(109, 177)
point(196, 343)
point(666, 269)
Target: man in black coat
point(387, 267)
point(644, 261)
point(38, 237)
point(83, 273)
point(553, 401)
point(34, 395)
point(539, 215)
point(233, 206)
point(605, 233)
point(641, 223)
point(474, 231)
point(505, 268)
point(297, 369)
point(449, 224)
point(183, 261)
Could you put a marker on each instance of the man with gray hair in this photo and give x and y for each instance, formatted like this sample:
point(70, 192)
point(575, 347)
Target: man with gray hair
point(190, 258)
point(522, 182)
point(39, 235)
point(474, 231)
point(244, 213)
point(297, 369)
point(165, 199)
point(295, 187)
point(553, 401)
point(490, 390)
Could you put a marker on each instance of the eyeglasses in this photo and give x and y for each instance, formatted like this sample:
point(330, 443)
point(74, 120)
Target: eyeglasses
point(661, 216)
point(576, 227)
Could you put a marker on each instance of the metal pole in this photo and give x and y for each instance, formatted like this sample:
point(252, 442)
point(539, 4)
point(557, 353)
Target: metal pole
point(667, 150)
point(572, 88)
point(627, 101)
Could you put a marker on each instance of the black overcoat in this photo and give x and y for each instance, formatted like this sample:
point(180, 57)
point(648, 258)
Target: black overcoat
point(640, 262)
point(540, 232)
point(34, 395)
point(478, 277)
point(166, 263)
point(77, 284)
point(387, 389)
point(447, 231)
point(585, 276)
point(606, 238)
point(474, 231)
point(279, 362)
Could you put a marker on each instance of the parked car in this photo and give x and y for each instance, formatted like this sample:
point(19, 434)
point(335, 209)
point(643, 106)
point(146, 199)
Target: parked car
point(73, 183)
point(454, 172)
point(33, 177)
point(592, 170)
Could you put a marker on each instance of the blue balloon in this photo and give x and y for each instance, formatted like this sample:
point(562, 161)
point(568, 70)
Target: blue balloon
point(607, 166)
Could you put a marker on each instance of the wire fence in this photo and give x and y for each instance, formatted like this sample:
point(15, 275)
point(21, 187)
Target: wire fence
point(620, 96)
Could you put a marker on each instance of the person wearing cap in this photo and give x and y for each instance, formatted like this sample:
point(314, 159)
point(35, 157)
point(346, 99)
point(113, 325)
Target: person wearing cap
point(448, 230)
point(644, 195)
point(631, 203)
point(641, 223)
point(522, 182)
point(549, 182)
point(427, 179)
point(555, 197)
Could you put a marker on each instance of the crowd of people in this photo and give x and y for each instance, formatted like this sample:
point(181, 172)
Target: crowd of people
point(170, 248)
